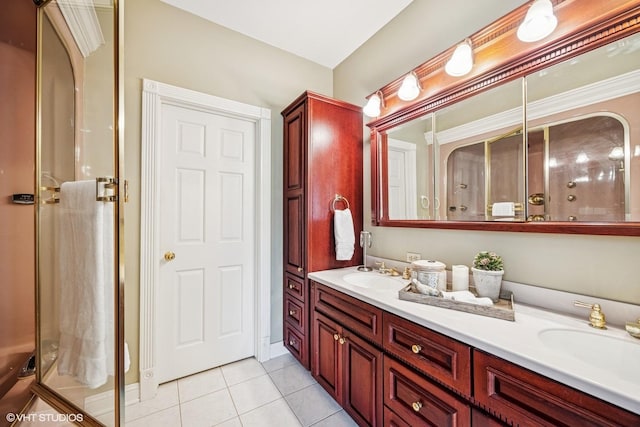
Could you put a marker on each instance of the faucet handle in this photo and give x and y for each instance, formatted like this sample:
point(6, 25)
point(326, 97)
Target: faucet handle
point(407, 273)
point(596, 317)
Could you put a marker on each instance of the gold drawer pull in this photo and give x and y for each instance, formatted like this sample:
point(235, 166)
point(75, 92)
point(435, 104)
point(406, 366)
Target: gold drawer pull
point(336, 337)
point(292, 343)
point(342, 340)
point(416, 348)
point(292, 312)
point(292, 286)
point(416, 406)
point(300, 269)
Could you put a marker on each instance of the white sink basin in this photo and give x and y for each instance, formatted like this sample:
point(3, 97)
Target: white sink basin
point(375, 281)
point(616, 355)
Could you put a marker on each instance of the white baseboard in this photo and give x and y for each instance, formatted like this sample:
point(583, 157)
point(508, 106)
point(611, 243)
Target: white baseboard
point(277, 349)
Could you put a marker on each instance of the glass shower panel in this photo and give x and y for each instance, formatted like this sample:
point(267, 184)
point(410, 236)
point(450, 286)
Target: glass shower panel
point(480, 153)
point(77, 217)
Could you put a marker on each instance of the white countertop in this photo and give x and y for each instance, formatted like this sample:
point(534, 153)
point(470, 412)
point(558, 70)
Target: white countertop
point(518, 342)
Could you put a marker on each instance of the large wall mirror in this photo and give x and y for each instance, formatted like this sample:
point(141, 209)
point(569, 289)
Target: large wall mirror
point(548, 142)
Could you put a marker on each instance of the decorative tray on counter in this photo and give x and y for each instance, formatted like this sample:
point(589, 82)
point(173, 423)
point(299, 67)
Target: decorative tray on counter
point(503, 309)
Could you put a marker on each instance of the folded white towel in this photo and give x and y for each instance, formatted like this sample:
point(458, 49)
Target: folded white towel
point(344, 234)
point(86, 267)
point(466, 296)
point(503, 209)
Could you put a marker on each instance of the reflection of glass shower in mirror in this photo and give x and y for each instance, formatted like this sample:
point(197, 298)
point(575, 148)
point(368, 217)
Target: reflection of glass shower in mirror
point(76, 233)
point(584, 134)
point(482, 156)
point(579, 166)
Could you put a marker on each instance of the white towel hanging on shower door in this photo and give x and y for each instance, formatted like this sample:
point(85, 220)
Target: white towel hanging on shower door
point(85, 256)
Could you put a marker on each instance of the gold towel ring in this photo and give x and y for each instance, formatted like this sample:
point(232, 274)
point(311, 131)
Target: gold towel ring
point(339, 198)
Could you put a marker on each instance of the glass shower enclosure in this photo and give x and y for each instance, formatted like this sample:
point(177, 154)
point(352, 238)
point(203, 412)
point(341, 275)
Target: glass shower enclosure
point(80, 351)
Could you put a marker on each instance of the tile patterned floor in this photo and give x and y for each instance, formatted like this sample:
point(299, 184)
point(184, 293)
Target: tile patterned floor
point(278, 393)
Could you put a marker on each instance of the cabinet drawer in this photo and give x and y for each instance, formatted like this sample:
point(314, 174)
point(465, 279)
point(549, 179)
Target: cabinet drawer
point(480, 419)
point(360, 317)
point(440, 357)
point(391, 419)
point(294, 312)
point(297, 344)
point(295, 286)
point(418, 401)
point(529, 399)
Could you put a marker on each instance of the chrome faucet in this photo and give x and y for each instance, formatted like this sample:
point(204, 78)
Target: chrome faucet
point(596, 317)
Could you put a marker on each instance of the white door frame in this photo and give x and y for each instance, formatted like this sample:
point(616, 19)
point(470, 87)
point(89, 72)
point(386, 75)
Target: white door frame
point(154, 94)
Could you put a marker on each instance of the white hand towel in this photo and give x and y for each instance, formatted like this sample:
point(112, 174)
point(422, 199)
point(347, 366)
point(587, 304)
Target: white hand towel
point(344, 234)
point(86, 265)
point(503, 209)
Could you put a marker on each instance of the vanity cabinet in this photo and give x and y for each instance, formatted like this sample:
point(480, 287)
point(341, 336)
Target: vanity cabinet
point(343, 363)
point(386, 370)
point(322, 147)
point(525, 398)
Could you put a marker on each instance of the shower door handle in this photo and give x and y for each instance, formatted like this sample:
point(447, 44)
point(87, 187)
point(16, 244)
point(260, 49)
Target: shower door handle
point(169, 256)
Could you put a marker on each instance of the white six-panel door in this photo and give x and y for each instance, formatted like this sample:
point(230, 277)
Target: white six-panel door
point(205, 313)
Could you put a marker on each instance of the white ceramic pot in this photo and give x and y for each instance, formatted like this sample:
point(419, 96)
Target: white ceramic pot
point(488, 283)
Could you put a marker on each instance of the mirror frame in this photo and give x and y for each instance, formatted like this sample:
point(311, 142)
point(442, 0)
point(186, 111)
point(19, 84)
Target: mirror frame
point(583, 25)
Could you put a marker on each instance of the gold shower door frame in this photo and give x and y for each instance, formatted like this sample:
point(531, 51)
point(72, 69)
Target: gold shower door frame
point(116, 189)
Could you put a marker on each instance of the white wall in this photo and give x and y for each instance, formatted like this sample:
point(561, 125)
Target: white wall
point(601, 266)
point(169, 45)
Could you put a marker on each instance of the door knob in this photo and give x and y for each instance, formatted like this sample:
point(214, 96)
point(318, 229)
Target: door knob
point(169, 256)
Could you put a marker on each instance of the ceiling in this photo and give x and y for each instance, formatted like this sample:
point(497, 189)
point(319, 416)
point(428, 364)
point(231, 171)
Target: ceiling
point(325, 32)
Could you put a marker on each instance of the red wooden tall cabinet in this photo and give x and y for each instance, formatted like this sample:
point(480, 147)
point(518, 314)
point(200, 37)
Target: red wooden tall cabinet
point(322, 159)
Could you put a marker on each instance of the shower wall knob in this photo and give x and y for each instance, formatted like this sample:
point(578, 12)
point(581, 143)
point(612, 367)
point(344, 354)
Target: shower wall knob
point(169, 256)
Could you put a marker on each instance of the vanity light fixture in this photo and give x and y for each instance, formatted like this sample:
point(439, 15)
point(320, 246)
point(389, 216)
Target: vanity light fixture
point(374, 104)
point(539, 22)
point(410, 88)
point(461, 61)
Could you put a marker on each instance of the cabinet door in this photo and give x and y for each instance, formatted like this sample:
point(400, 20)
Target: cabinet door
point(362, 380)
point(326, 363)
point(294, 190)
point(294, 234)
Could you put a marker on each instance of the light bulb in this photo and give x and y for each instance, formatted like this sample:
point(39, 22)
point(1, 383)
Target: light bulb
point(539, 22)
point(410, 88)
point(461, 61)
point(372, 108)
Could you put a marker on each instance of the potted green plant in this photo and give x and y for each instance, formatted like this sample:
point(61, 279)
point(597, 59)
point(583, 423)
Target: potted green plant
point(488, 269)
